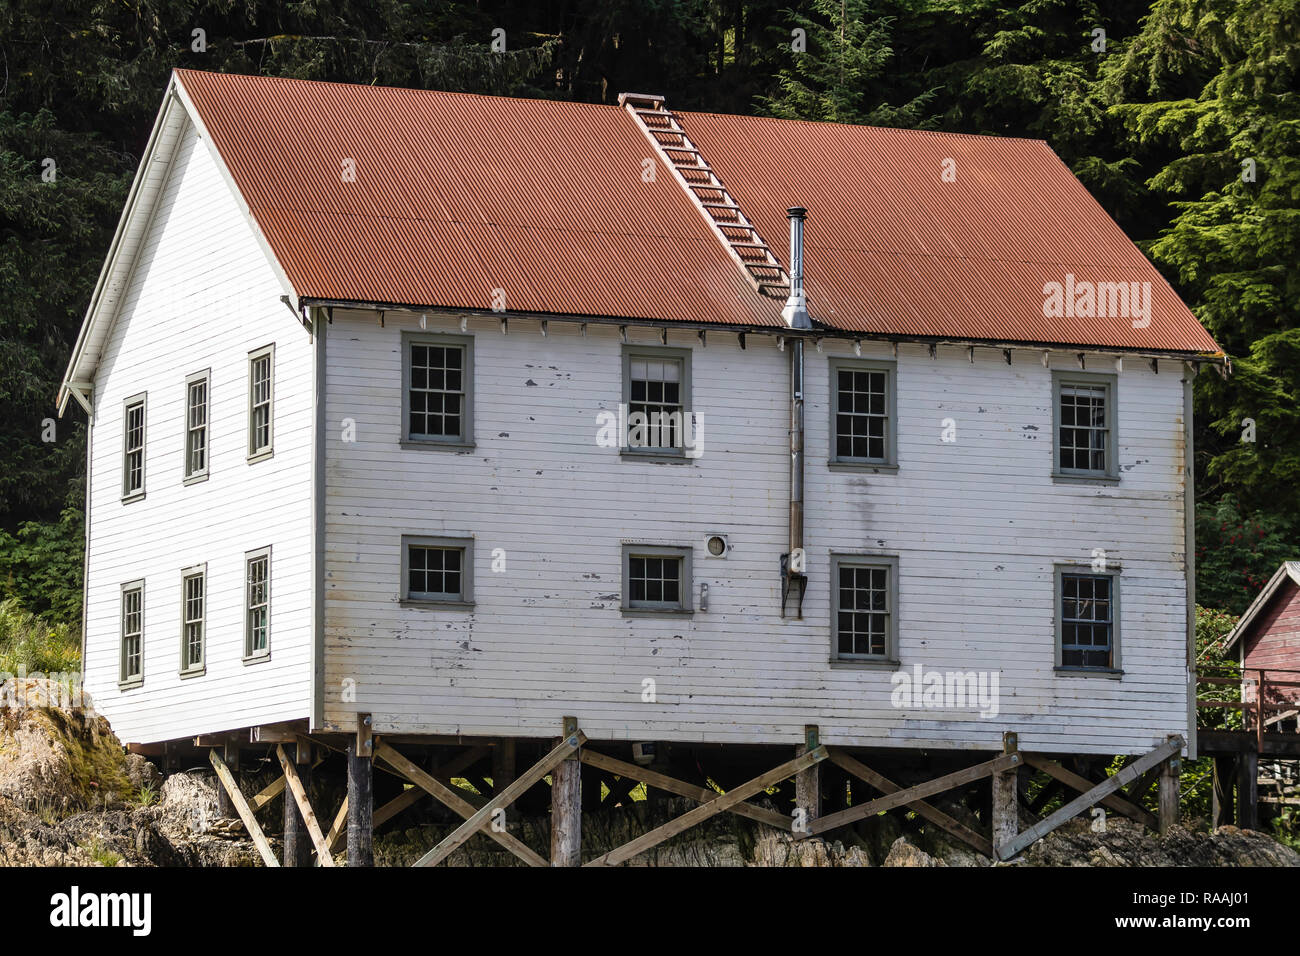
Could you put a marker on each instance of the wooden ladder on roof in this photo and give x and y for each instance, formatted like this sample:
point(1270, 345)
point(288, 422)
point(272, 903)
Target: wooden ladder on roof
point(664, 130)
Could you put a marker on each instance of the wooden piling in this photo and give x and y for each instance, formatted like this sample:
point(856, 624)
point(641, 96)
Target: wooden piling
point(808, 782)
point(1248, 790)
point(566, 807)
point(1170, 771)
point(1004, 812)
point(361, 797)
point(1221, 803)
point(297, 842)
point(230, 752)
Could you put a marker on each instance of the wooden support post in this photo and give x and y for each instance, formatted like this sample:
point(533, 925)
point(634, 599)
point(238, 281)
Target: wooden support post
point(361, 796)
point(808, 782)
point(1248, 790)
point(1221, 809)
point(503, 764)
point(1170, 771)
point(230, 750)
point(1005, 810)
point(297, 844)
point(566, 806)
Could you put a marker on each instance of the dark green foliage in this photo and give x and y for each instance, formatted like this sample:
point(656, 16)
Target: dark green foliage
point(1157, 125)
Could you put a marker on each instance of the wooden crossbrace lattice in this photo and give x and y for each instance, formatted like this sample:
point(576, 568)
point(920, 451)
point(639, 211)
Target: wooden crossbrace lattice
point(706, 190)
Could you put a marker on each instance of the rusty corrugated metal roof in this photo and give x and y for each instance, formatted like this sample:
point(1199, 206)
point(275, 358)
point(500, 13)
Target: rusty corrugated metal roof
point(891, 248)
point(458, 195)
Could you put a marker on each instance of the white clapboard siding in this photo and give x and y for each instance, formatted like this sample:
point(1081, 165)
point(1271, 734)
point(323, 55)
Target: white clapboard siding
point(977, 525)
point(202, 295)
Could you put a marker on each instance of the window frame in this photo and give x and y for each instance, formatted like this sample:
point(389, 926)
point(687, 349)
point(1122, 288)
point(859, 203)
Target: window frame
point(127, 681)
point(187, 670)
point(834, 366)
point(1113, 572)
point(250, 655)
point(686, 585)
point(193, 477)
point(890, 562)
point(1110, 381)
point(141, 399)
point(656, 353)
point(464, 543)
point(260, 452)
point(465, 439)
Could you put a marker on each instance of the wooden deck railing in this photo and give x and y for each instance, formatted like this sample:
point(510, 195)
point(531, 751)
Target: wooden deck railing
point(1261, 692)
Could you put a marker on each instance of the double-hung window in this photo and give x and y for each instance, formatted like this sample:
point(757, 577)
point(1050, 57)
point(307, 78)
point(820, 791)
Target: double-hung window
point(133, 437)
point(657, 401)
point(1087, 620)
point(257, 605)
point(261, 403)
point(864, 418)
point(196, 426)
point(131, 659)
point(194, 586)
point(1085, 422)
point(437, 390)
point(656, 579)
point(864, 604)
point(437, 571)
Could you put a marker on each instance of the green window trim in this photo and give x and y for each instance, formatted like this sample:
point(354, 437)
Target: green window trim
point(464, 597)
point(657, 354)
point(131, 635)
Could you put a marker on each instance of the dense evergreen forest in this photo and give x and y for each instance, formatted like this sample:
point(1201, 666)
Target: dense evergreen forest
point(1181, 116)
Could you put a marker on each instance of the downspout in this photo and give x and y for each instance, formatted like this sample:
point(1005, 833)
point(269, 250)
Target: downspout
point(795, 313)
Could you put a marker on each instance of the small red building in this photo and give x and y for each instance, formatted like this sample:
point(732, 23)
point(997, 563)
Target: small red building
point(1267, 640)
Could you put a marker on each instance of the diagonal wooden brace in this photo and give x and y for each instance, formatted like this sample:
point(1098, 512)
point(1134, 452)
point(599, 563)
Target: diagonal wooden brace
point(912, 794)
point(1095, 795)
point(323, 856)
point(699, 794)
point(448, 797)
point(1083, 785)
point(731, 798)
point(242, 808)
point(506, 797)
point(976, 841)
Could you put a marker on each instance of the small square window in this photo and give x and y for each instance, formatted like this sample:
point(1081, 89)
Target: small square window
point(437, 571)
point(656, 578)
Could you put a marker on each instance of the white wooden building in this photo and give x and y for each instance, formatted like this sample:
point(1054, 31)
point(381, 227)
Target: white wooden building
point(355, 368)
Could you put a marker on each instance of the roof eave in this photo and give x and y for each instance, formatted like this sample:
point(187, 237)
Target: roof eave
point(819, 329)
